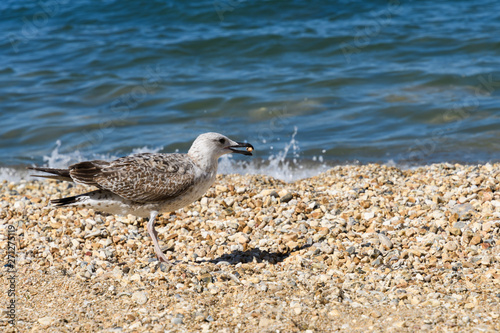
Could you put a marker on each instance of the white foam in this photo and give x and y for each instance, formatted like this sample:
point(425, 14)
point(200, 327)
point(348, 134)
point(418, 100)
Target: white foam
point(58, 160)
point(280, 165)
point(12, 175)
point(285, 164)
point(62, 160)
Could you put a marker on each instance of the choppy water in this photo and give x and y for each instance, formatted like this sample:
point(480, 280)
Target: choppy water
point(368, 81)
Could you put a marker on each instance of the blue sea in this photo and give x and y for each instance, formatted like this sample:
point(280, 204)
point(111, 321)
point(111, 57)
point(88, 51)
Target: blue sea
point(310, 84)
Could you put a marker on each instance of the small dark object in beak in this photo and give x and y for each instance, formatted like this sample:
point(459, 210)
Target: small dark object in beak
point(248, 151)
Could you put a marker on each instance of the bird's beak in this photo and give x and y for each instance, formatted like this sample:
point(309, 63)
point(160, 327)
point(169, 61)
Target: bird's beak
point(248, 151)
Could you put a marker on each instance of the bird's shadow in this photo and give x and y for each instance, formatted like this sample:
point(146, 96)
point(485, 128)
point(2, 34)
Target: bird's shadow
point(254, 255)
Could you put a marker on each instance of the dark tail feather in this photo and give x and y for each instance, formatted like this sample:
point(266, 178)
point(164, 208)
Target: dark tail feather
point(65, 201)
point(84, 172)
point(53, 177)
point(58, 174)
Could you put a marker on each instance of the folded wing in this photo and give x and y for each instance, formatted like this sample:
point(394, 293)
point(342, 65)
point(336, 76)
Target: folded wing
point(141, 178)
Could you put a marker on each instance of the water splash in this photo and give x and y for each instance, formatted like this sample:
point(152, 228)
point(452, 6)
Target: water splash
point(279, 165)
point(58, 160)
point(285, 164)
point(12, 175)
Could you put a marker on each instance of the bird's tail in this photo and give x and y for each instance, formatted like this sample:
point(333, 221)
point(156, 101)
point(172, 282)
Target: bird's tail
point(67, 201)
point(58, 174)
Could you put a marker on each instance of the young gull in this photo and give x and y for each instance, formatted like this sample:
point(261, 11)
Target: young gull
point(147, 184)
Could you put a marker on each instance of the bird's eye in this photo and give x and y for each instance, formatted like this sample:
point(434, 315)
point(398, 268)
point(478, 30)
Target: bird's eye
point(222, 140)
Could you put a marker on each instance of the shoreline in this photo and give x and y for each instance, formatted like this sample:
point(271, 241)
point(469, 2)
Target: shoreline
point(358, 247)
point(287, 170)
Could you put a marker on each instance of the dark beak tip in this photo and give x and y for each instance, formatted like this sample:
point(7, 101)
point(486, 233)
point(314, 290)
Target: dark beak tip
point(246, 145)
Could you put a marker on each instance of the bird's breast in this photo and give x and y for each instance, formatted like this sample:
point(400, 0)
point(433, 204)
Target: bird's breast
point(195, 192)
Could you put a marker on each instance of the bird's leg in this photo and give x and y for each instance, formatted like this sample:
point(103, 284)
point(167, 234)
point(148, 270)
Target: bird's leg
point(154, 236)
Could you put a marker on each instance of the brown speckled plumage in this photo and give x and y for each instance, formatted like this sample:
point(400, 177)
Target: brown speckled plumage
point(142, 178)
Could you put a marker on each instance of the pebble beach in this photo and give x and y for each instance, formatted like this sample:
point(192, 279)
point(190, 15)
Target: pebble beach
point(359, 248)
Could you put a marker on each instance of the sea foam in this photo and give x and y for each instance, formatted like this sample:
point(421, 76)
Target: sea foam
point(285, 164)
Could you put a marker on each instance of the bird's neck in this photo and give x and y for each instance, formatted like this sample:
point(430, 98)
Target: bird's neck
point(205, 162)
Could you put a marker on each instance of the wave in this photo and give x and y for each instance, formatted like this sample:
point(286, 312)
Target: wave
point(285, 164)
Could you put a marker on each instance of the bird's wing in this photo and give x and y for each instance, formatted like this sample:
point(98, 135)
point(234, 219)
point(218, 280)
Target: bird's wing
point(141, 178)
point(85, 172)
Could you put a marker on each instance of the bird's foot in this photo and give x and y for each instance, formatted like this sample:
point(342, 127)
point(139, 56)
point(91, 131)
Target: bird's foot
point(161, 257)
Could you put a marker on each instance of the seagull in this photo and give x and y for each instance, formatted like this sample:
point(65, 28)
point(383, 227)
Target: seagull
point(148, 184)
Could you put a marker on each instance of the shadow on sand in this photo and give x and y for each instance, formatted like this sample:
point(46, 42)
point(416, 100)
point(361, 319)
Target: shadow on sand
point(254, 255)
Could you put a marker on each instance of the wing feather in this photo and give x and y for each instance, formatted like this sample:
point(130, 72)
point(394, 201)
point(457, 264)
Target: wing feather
point(147, 177)
point(85, 172)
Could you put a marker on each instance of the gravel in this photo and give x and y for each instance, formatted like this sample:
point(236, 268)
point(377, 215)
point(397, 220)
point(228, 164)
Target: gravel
point(366, 248)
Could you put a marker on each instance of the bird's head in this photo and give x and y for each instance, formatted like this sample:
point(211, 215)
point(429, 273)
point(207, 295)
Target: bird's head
point(214, 145)
point(210, 146)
